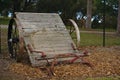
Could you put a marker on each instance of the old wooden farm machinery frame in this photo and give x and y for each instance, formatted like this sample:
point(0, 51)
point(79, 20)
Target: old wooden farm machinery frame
point(45, 38)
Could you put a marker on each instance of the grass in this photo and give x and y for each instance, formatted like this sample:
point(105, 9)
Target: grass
point(4, 20)
point(107, 29)
point(84, 29)
point(91, 39)
point(3, 39)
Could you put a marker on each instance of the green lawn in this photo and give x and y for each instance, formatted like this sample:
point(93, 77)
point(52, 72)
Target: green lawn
point(3, 39)
point(91, 39)
point(4, 20)
point(84, 29)
point(107, 29)
point(88, 39)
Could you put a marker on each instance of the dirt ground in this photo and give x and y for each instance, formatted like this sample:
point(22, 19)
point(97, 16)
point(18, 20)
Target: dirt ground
point(105, 61)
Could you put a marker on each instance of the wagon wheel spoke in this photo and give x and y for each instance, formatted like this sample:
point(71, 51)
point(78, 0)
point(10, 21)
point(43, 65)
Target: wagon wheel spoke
point(72, 30)
point(15, 50)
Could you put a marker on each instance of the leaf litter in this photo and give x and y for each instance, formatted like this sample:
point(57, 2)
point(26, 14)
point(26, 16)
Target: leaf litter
point(106, 62)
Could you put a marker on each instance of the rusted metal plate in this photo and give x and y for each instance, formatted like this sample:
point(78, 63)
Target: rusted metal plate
point(47, 33)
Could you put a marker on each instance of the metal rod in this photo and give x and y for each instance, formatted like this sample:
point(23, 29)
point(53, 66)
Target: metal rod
point(104, 25)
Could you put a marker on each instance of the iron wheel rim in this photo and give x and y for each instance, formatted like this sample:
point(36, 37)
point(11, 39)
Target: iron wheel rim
point(13, 39)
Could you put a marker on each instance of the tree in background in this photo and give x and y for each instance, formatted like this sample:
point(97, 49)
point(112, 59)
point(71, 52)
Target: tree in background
point(68, 8)
point(28, 5)
point(5, 6)
point(16, 5)
point(89, 13)
point(110, 12)
point(118, 24)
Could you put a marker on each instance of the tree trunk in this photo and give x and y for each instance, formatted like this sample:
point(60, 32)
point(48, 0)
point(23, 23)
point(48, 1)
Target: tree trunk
point(89, 13)
point(118, 24)
point(16, 5)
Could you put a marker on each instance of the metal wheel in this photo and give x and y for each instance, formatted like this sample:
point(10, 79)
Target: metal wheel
point(13, 39)
point(74, 29)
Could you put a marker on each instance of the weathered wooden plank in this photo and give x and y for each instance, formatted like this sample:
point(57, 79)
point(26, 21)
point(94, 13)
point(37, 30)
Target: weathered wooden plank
point(39, 17)
point(50, 38)
point(42, 33)
point(54, 45)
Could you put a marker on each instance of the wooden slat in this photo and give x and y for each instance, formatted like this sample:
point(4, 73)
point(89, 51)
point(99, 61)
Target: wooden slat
point(39, 17)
